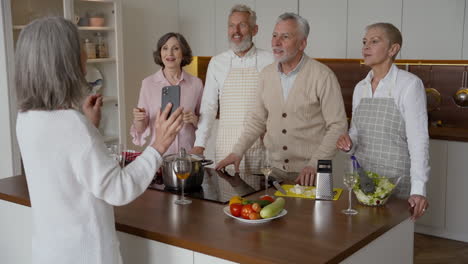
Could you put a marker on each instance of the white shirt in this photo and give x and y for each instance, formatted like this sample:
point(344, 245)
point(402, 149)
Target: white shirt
point(287, 80)
point(410, 98)
point(73, 183)
point(218, 70)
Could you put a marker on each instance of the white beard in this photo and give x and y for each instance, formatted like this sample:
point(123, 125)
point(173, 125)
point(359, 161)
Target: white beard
point(243, 46)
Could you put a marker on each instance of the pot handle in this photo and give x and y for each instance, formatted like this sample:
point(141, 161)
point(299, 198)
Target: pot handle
point(205, 162)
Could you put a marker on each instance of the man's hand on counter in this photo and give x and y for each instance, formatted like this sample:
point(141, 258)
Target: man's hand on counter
point(230, 159)
point(307, 176)
point(418, 205)
point(167, 128)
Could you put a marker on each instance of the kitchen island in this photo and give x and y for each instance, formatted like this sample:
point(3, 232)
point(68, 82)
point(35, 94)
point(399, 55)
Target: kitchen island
point(152, 229)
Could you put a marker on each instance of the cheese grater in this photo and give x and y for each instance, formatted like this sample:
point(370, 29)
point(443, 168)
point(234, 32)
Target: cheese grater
point(324, 181)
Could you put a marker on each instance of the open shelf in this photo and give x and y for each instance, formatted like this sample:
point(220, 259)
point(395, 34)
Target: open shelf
point(109, 99)
point(110, 138)
point(18, 27)
point(102, 60)
point(96, 28)
point(99, 1)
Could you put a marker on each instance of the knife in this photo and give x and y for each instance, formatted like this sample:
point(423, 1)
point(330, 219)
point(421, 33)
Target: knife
point(365, 183)
point(278, 186)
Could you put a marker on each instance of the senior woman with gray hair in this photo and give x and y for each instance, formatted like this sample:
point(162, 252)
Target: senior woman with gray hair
point(389, 133)
point(72, 179)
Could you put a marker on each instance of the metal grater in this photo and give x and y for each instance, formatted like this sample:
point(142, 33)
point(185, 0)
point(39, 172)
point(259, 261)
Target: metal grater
point(324, 181)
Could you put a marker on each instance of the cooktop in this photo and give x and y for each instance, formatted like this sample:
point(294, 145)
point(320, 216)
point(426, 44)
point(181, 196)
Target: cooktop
point(219, 186)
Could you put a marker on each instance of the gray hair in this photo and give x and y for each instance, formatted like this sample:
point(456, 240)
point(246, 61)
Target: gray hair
point(391, 32)
point(301, 22)
point(48, 66)
point(246, 9)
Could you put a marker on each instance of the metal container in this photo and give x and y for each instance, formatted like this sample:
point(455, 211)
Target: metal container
point(324, 185)
point(193, 182)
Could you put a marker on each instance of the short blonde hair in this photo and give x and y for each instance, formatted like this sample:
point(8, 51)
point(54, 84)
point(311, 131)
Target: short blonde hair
point(392, 33)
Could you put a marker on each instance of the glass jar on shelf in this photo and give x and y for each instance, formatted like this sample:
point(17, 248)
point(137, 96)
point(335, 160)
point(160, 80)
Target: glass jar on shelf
point(101, 46)
point(90, 49)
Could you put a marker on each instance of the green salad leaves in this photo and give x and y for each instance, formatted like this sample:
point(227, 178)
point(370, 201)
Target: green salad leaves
point(383, 189)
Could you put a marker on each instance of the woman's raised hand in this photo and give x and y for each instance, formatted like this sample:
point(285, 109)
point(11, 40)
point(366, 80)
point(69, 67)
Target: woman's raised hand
point(191, 117)
point(140, 119)
point(344, 143)
point(167, 128)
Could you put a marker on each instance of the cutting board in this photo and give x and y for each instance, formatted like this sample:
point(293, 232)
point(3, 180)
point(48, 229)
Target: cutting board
point(288, 187)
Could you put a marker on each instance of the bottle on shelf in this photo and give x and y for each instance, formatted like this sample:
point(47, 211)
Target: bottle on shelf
point(101, 46)
point(90, 49)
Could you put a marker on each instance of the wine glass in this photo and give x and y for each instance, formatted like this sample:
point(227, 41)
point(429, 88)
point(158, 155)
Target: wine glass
point(182, 167)
point(118, 153)
point(266, 169)
point(350, 179)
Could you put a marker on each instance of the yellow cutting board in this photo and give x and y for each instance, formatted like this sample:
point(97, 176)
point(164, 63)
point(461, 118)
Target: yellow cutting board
point(288, 187)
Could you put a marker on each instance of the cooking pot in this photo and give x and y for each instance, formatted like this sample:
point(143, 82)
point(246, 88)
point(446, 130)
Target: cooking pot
point(193, 182)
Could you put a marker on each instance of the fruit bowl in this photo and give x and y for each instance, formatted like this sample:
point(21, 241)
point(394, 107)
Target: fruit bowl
point(384, 187)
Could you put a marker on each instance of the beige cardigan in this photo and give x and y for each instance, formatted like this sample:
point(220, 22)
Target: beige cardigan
point(305, 128)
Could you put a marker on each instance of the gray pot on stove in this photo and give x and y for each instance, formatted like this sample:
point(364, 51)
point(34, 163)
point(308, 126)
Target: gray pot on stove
point(193, 182)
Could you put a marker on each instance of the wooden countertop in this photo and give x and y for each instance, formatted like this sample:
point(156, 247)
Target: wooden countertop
point(311, 232)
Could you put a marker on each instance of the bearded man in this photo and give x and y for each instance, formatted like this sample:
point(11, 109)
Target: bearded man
point(232, 80)
point(299, 108)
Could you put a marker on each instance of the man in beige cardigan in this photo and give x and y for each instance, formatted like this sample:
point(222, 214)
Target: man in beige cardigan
point(299, 107)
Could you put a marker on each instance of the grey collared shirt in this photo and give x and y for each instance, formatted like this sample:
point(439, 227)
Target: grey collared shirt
point(287, 80)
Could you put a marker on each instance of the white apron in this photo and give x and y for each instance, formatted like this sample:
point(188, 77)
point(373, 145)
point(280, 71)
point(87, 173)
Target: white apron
point(237, 99)
point(382, 143)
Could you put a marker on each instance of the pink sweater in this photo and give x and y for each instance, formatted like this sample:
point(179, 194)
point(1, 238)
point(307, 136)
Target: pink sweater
point(191, 90)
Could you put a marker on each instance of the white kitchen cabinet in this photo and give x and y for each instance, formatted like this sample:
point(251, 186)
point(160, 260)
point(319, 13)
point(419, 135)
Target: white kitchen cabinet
point(465, 35)
point(362, 13)
point(267, 14)
point(327, 20)
point(222, 9)
point(138, 250)
point(21, 12)
point(457, 194)
point(15, 230)
point(197, 24)
point(199, 258)
point(433, 29)
point(447, 215)
point(436, 186)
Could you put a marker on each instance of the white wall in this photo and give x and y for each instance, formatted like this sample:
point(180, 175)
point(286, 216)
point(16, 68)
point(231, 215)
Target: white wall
point(144, 22)
point(9, 157)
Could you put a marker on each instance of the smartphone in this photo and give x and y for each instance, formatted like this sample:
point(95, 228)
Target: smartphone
point(170, 94)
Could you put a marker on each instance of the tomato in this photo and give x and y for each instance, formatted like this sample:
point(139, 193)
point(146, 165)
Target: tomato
point(256, 207)
point(254, 216)
point(246, 211)
point(236, 209)
point(267, 198)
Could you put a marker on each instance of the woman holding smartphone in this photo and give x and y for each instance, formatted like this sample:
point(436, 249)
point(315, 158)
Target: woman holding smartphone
point(172, 53)
point(73, 181)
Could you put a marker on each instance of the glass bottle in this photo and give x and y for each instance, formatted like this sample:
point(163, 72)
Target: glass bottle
point(90, 49)
point(101, 46)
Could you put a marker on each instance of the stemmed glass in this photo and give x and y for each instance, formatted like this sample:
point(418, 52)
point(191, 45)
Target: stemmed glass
point(350, 179)
point(182, 167)
point(266, 169)
point(118, 153)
